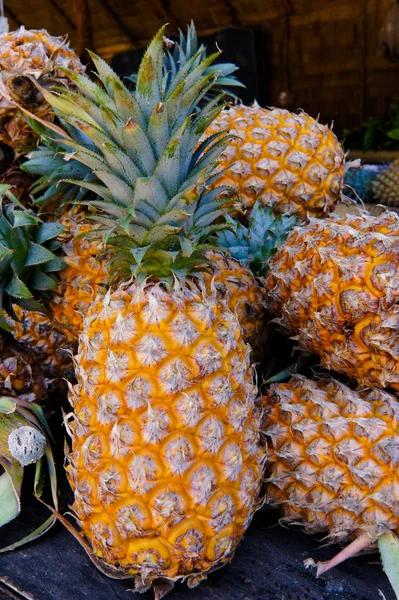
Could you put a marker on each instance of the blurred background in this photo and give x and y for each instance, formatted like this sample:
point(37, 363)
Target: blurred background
point(333, 57)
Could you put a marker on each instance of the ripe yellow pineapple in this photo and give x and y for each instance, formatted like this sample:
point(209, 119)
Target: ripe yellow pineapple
point(27, 55)
point(288, 161)
point(244, 295)
point(332, 461)
point(166, 460)
point(334, 285)
point(83, 278)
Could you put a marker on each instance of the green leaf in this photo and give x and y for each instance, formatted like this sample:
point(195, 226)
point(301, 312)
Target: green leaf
point(52, 474)
point(48, 231)
point(17, 288)
point(68, 108)
point(393, 134)
point(41, 281)
point(38, 255)
point(23, 219)
point(388, 545)
point(39, 478)
point(10, 490)
point(4, 251)
point(149, 77)
point(7, 405)
point(4, 324)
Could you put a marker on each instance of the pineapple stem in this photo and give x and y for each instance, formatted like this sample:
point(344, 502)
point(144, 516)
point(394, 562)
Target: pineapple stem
point(359, 544)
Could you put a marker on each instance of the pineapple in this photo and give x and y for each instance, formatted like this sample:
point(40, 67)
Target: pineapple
point(28, 271)
point(244, 295)
point(166, 459)
point(20, 374)
point(53, 336)
point(334, 285)
point(385, 185)
point(54, 189)
point(288, 161)
point(332, 464)
point(83, 278)
point(27, 56)
point(186, 54)
point(48, 347)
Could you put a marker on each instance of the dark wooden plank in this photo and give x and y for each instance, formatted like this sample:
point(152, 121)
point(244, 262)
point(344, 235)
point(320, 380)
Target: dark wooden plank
point(268, 566)
point(8, 594)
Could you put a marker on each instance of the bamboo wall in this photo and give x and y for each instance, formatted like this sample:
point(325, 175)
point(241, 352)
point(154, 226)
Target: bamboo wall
point(323, 53)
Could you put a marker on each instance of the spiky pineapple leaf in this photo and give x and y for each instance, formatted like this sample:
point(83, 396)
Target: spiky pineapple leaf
point(153, 177)
point(27, 254)
point(181, 80)
point(255, 244)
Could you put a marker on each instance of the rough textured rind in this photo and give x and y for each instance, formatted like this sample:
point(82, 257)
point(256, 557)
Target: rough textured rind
point(334, 285)
point(53, 338)
point(289, 161)
point(333, 457)
point(166, 460)
point(245, 296)
point(26, 54)
point(20, 373)
point(385, 186)
point(84, 278)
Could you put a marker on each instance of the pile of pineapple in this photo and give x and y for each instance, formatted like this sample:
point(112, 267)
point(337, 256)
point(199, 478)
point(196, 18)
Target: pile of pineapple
point(166, 234)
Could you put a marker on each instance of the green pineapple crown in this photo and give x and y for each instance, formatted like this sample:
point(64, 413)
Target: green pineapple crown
point(255, 244)
point(178, 54)
point(152, 200)
point(47, 160)
point(28, 260)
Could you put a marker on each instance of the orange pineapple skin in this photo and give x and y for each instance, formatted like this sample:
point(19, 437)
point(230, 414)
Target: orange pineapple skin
point(28, 53)
point(50, 347)
point(53, 338)
point(166, 460)
point(288, 161)
point(333, 457)
point(85, 276)
point(244, 294)
point(334, 285)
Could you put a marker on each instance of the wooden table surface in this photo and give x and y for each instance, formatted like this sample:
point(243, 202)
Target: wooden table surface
point(268, 566)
